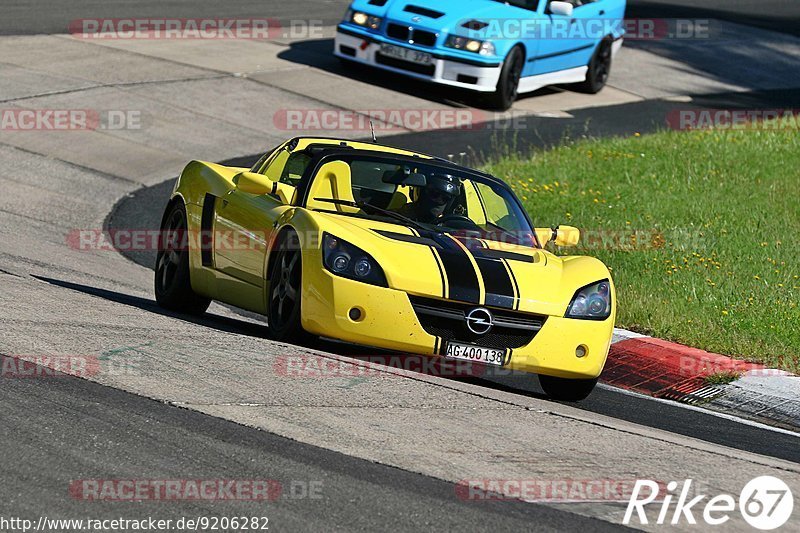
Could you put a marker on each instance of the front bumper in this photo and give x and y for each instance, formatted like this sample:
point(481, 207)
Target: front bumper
point(389, 322)
point(479, 76)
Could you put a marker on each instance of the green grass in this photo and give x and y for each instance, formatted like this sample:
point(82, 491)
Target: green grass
point(701, 230)
point(722, 378)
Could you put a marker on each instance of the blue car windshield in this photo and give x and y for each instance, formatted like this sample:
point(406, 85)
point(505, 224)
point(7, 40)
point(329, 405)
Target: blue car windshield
point(532, 5)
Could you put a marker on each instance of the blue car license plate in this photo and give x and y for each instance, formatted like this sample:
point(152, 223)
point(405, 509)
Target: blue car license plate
point(406, 54)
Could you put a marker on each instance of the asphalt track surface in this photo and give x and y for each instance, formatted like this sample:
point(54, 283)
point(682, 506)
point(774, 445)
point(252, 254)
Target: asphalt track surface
point(101, 430)
point(24, 17)
point(145, 207)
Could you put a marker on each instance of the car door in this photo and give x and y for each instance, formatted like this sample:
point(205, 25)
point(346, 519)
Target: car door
point(594, 23)
point(243, 223)
point(564, 41)
point(518, 21)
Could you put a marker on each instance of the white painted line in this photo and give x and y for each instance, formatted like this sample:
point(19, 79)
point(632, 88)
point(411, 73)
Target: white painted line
point(702, 410)
point(552, 114)
point(768, 372)
point(623, 335)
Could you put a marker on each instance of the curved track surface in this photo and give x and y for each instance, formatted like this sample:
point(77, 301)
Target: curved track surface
point(322, 490)
point(145, 207)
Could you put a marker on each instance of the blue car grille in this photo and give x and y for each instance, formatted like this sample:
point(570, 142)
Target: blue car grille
point(403, 32)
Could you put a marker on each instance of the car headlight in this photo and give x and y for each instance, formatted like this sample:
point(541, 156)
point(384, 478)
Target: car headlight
point(362, 19)
point(485, 48)
point(348, 261)
point(592, 302)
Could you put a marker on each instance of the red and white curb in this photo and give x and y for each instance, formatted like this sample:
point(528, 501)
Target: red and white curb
point(672, 371)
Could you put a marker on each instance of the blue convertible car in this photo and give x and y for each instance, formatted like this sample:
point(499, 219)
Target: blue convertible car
point(500, 48)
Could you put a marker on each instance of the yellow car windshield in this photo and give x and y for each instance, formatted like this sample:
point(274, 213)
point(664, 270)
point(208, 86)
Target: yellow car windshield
point(438, 197)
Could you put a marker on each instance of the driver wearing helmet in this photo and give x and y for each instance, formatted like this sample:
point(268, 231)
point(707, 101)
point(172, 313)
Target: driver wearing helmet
point(433, 199)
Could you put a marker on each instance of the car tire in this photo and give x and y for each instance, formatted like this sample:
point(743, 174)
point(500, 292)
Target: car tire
point(285, 289)
point(599, 69)
point(507, 86)
point(172, 280)
point(567, 390)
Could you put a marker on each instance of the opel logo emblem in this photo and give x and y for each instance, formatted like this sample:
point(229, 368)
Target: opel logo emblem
point(416, 19)
point(480, 320)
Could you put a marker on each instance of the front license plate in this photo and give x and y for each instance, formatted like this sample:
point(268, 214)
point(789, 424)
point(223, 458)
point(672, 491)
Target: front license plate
point(406, 54)
point(477, 354)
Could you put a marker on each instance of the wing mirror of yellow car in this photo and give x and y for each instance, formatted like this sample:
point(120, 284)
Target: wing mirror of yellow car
point(567, 236)
point(253, 183)
point(560, 235)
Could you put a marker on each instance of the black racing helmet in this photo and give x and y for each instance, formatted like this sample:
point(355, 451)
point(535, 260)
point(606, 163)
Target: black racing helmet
point(444, 183)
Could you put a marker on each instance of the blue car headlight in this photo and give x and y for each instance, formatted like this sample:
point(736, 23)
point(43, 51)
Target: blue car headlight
point(359, 18)
point(592, 302)
point(485, 48)
point(348, 261)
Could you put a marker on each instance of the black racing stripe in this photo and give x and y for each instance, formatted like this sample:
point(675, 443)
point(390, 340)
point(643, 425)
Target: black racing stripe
point(502, 254)
point(415, 239)
point(462, 278)
point(497, 282)
point(472, 244)
point(514, 281)
point(441, 271)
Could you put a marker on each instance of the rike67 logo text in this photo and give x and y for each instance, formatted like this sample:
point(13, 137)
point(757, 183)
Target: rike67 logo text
point(765, 503)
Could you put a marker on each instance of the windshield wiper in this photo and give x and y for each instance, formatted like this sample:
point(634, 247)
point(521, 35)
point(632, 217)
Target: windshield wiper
point(362, 205)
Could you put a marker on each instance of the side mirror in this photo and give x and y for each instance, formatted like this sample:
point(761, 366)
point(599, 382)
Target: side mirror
point(561, 235)
point(253, 183)
point(561, 8)
point(566, 236)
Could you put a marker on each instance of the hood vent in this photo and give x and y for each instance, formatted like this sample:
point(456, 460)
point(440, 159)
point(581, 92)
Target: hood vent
point(424, 11)
point(474, 25)
point(379, 3)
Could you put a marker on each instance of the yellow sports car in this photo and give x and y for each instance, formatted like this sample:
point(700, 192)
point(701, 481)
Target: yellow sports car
point(387, 248)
